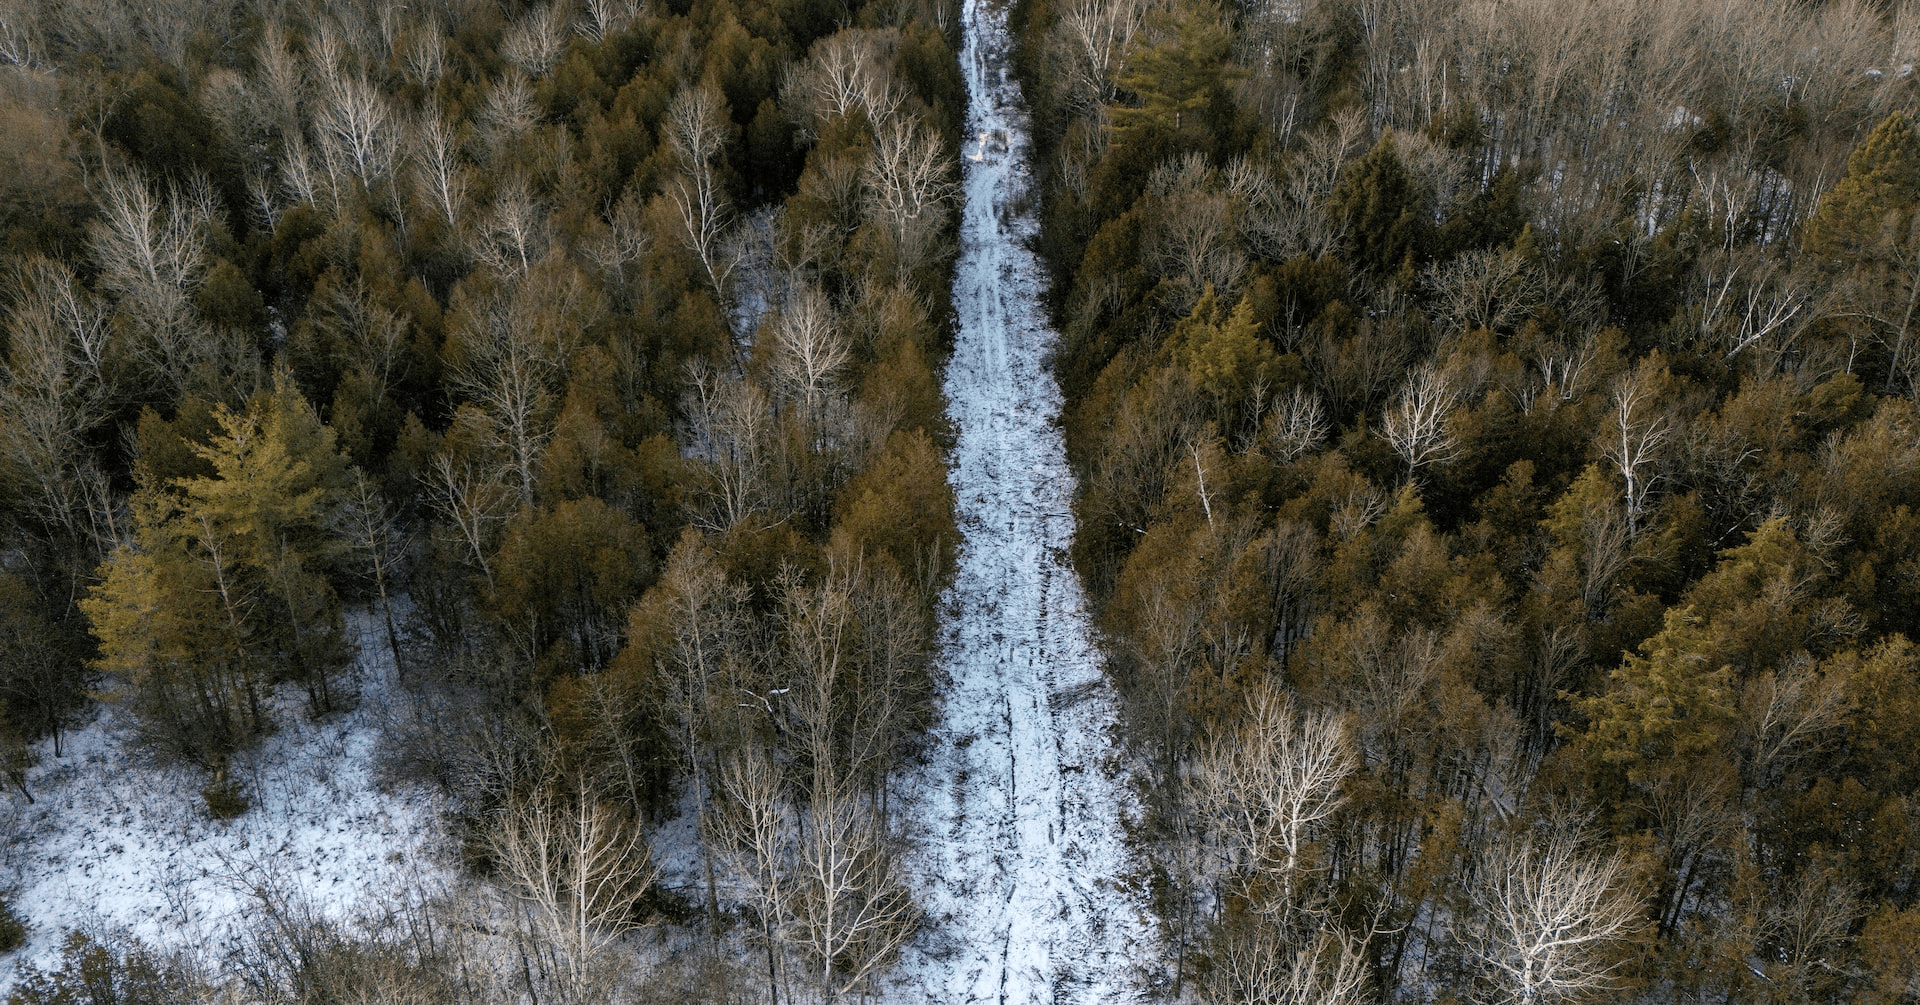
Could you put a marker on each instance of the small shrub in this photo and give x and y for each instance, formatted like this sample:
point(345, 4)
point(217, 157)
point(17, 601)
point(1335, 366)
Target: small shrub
point(13, 932)
point(224, 799)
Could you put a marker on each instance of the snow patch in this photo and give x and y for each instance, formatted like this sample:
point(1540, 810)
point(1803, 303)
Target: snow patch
point(114, 843)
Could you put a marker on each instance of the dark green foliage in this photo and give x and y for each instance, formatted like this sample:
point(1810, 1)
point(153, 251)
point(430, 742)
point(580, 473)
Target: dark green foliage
point(13, 934)
point(1386, 211)
point(225, 799)
point(160, 127)
point(1175, 80)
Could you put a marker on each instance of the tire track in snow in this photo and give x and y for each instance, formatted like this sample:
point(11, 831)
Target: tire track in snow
point(1021, 862)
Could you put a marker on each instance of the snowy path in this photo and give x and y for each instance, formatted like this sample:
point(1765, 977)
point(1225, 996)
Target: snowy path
point(1023, 867)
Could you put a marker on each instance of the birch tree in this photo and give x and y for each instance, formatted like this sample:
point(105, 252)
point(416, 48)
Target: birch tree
point(1096, 36)
point(53, 394)
point(908, 186)
point(810, 352)
point(1416, 423)
point(509, 346)
point(437, 169)
point(356, 123)
point(1270, 784)
point(1550, 917)
point(847, 72)
point(696, 132)
point(151, 247)
point(729, 429)
point(1636, 431)
point(581, 867)
point(1297, 427)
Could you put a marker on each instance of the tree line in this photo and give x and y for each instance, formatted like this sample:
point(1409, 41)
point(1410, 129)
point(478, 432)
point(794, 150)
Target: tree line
point(1494, 428)
point(590, 350)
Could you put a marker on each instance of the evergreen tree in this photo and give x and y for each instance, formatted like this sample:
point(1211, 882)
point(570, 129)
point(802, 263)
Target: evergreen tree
point(1385, 209)
point(1224, 354)
point(1176, 79)
point(224, 587)
point(1668, 701)
point(1870, 206)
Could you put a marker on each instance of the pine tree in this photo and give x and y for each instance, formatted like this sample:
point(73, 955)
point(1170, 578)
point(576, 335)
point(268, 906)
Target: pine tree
point(1385, 210)
point(1869, 208)
point(224, 587)
point(175, 632)
point(1176, 79)
point(1668, 701)
point(1223, 352)
point(279, 479)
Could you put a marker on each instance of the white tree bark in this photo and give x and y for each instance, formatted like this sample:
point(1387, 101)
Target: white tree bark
point(1548, 912)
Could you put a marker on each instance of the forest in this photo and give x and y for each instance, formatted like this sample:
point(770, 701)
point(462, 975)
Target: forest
point(592, 350)
point(1495, 427)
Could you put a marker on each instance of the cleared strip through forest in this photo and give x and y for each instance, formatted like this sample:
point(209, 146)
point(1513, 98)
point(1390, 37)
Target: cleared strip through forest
point(1022, 864)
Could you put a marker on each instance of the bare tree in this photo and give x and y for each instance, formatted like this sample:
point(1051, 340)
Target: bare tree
point(53, 394)
point(1297, 427)
point(706, 645)
point(536, 42)
point(1194, 243)
point(580, 865)
point(1271, 224)
point(425, 56)
point(1549, 915)
point(152, 251)
point(852, 910)
point(510, 350)
point(508, 112)
point(473, 497)
point(1633, 438)
point(1753, 301)
point(755, 829)
point(1263, 967)
point(909, 184)
point(607, 17)
point(281, 79)
point(437, 169)
point(1097, 36)
point(621, 247)
point(1805, 925)
point(301, 175)
point(1788, 713)
point(696, 131)
point(809, 350)
point(356, 124)
point(19, 42)
point(1487, 289)
point(1566, 371)
point(372, 531)
point(1311, 177)
point(846, 72)
point(729, 428)
point(513, 231)
point(1268, 785)
point(1416, 423)
point(371, 340)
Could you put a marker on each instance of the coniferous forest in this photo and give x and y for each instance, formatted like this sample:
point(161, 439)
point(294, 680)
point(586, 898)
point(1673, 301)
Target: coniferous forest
point(1494, 425)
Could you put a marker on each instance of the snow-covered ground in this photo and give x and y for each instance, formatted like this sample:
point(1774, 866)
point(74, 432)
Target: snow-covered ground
point(116, 844)
point(1022, 864)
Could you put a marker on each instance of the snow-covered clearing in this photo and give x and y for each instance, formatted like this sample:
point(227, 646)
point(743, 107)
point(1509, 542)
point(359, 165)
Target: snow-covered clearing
point(1022, 863)
point(113, 843)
